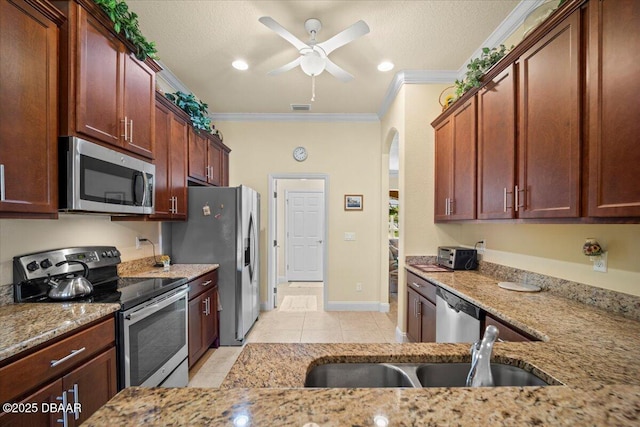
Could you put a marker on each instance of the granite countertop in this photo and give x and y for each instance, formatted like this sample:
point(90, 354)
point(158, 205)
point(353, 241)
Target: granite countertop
point(25, 326)
point(592, 352)
point(190, 271)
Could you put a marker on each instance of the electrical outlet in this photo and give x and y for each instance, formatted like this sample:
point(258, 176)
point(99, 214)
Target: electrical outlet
point(358, 287)
point(138, 242)
point(482, 246)
point(600, 263)
point(349, 236)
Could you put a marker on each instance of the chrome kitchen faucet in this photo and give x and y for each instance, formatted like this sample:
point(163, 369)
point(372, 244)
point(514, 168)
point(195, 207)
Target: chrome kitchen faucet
point(480, 372)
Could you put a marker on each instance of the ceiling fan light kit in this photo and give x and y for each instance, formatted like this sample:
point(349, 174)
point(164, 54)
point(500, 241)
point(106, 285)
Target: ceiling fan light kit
point(314, 56)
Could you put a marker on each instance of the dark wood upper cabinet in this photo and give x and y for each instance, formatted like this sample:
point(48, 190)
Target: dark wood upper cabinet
point(443, 168)
point(455, 164)
point(170, 160)
point(198, 159)
point(139, 106)
point(107, 95)
point(549, 125)
point(208, 159)
point(29, 108)
point(497, 146)
point(613, 108)
point(98, 79)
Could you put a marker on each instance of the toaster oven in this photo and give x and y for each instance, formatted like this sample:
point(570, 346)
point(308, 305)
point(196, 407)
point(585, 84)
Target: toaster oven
point(457, 258)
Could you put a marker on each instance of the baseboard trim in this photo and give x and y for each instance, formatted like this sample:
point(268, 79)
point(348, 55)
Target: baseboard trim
point(401, 336)
point(356, 306)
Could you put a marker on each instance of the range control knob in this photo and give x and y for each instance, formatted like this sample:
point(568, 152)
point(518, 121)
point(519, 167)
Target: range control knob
point(109, 254)
point(104, 254)
point(32, 266)
point(46, 263)
point(116, 253)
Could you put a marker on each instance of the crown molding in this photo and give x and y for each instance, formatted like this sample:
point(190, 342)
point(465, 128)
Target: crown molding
point(295, 117)
point(507, 27)
point(413, 77)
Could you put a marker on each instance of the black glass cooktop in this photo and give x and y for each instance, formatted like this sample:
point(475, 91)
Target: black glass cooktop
point(126, 291)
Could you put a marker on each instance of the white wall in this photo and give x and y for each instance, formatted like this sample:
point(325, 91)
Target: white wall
point(349, 153)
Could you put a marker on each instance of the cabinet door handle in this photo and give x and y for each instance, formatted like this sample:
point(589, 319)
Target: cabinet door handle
point(2, 195)
point(451, 205)
point(63, 420)
point(73, 353)
point(517, 192)
point(175, 209)
point(125, 136)
point(205, 307)
point(419, 308)
point(76, 401)
point(131, 131)
point(446, 206)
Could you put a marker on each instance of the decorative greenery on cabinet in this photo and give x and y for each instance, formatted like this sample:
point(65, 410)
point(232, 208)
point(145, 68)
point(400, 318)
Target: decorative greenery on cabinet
point(478, 67)
point(196, 109)
point(126, 21)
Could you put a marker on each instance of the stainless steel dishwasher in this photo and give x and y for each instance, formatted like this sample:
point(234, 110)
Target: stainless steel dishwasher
point(457, 320)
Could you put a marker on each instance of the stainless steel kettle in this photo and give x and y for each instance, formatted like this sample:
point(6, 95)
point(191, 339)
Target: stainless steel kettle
point(70, 287)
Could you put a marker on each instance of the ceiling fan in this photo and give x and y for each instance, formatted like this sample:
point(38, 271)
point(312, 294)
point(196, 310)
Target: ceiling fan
point(314, 56)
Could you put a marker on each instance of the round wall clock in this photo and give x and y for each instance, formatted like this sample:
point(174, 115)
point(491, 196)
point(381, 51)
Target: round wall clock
point(300, 154)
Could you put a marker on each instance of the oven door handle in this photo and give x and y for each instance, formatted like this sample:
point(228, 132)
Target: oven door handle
point(157, 304)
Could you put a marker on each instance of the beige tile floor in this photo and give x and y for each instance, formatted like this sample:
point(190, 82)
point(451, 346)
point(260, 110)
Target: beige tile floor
point(293, 327)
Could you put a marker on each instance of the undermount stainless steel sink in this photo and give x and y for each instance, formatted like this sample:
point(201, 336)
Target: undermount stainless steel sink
point(455, 375)
point(353, 375)
point(373, 375)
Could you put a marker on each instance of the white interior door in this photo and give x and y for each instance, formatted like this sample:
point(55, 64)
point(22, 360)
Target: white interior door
point(305, 231)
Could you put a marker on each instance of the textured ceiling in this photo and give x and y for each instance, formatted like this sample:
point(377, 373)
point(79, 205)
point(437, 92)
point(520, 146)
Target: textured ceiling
point(198, 40)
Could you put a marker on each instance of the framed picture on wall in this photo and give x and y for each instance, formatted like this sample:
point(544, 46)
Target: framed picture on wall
point(353, 202)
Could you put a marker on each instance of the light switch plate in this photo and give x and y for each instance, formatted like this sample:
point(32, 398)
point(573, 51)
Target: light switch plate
point(349, 235)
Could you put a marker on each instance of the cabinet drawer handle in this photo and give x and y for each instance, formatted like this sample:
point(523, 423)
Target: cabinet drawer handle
point(2, 196)
point(207, 283)
point(73, 353)
point(416, 285)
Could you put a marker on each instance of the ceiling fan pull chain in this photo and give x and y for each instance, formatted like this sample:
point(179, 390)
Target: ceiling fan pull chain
point(313, 87)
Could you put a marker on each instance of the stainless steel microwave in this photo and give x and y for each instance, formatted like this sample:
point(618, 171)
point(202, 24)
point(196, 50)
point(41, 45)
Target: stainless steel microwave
point(97, 179)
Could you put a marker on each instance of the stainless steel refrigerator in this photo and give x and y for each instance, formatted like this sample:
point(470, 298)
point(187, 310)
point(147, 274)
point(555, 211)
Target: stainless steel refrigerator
point(223, 228)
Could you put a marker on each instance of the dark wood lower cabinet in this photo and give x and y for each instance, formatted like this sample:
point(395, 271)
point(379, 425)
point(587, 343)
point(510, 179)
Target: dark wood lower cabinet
point(84, 382)
point(421, 309)
point(203, 315)
point(507, 332)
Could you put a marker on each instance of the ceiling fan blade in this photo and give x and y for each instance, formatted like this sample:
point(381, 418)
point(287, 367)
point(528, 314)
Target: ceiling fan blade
point(358, 29)
point(336, 71)
point(270, 23)
point(286, 67)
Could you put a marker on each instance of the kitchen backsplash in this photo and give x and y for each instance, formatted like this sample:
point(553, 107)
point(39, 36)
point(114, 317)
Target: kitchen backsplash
point(612, 301)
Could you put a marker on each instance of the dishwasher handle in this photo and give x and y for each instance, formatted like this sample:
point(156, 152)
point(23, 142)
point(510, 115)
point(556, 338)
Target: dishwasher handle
point(458, 304)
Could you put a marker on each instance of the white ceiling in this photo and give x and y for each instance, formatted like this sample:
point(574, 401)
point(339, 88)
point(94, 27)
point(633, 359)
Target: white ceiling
point(198, 40)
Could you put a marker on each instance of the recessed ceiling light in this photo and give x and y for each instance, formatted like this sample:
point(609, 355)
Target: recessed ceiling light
point(239, 64)
point(385, 66)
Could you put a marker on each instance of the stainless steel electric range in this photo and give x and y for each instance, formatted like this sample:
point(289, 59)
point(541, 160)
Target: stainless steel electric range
point(151, 324)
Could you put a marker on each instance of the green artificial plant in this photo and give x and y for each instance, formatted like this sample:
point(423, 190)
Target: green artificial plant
point(126, 22)
point(196, 109)
point(478, 67)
